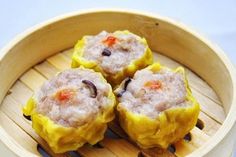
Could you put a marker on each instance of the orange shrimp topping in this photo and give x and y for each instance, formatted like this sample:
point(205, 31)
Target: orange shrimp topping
point(65, 94)
point(155, 84)
point(110, 41)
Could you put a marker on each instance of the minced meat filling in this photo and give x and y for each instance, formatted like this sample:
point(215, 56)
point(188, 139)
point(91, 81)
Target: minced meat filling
point(113, 52)
point(151, 93)
point(69, 98)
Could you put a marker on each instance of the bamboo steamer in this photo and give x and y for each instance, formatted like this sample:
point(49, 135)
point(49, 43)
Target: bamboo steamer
point(42, 51)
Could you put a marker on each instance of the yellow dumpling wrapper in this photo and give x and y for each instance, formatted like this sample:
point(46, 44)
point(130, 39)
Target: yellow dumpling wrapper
point(62, 139)
point(170, 125)
point(145, 60)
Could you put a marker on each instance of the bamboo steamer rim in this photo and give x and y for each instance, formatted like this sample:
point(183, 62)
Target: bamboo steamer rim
point(206, 147)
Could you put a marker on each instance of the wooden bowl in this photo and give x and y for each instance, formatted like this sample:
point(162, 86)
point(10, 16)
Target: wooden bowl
point(39, 53)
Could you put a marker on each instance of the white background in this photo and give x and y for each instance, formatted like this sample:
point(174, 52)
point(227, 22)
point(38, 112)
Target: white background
point(214, 19)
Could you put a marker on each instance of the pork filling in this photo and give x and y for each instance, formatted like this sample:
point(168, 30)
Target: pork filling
point(73, 97)
point(151, 93)
point(113, 52)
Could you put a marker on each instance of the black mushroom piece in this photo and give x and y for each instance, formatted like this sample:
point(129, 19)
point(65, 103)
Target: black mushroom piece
point(106, 52)
point(124, 87)
point(92, 88)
